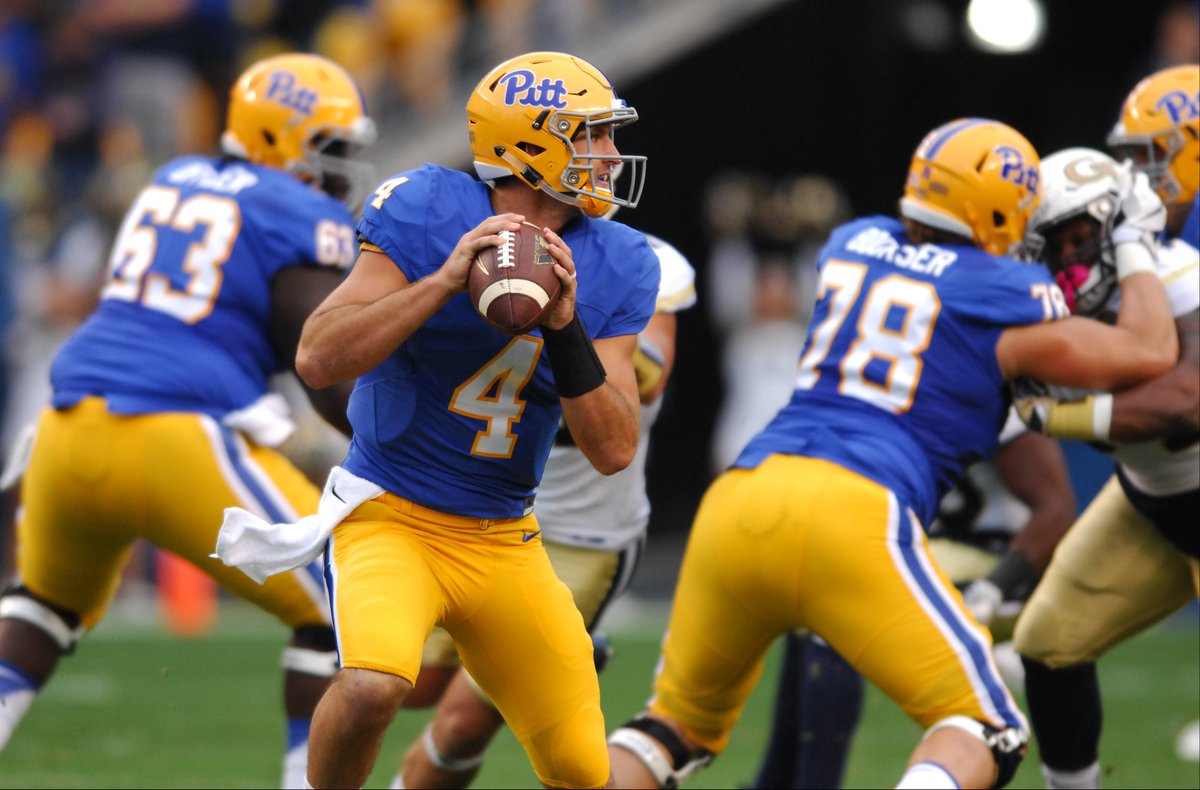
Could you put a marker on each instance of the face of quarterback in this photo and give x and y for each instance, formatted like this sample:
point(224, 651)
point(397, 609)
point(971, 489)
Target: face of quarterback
point(599, 141)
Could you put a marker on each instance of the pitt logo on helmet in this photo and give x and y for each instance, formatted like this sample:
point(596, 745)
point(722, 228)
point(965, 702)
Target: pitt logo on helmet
point(1015, 170)
point(519, 89)
point(282, 89)
point(1180, 106)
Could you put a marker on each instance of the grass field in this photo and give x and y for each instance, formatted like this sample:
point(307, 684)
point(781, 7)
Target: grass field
point(135, 708)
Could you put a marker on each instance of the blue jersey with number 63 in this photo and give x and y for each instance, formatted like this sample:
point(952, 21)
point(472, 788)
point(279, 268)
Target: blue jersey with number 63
point(898, 379)
point(183, 323)
point(460, 418)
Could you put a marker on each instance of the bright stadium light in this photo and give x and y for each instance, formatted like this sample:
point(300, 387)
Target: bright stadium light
point(1006, 26)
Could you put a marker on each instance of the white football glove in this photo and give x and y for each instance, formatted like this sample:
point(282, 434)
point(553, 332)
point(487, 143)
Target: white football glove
point(1143, 215)
point(983, 598)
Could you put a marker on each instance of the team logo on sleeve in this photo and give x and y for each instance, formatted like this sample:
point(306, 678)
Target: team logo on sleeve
point(519, 88)
point(283, 89)
point(1180, 106)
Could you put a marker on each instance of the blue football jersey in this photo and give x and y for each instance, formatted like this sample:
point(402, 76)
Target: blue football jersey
point(898, 379)
point(461, 418)
point(183, 323)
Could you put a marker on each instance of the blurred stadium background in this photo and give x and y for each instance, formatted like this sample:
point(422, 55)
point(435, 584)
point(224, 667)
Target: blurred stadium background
point(765, 121)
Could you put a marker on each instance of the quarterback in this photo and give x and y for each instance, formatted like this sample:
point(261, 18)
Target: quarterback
point(160, 416)
point(429, 520)
point(594, 529)
point(819, 524)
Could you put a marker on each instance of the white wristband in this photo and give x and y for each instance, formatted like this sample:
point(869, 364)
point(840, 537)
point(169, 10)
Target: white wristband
point(1133, 257)
point(1102, 408)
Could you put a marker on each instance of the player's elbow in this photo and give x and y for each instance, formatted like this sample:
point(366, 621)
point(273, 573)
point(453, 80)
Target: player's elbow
point(315, 370)
point(612, 456)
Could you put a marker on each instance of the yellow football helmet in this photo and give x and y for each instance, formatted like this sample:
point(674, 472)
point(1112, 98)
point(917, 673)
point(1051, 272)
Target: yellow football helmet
point(1159, 129)
point(523, 119)
point(975, 178)
point(305, 115)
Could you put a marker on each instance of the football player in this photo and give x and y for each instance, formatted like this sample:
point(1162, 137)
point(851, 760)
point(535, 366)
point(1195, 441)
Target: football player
point(160, 416)
point(594, 529)
point(429, 521)
point(1131, 558)
point(819, 524)
point(993, 536)
point(1159, 130)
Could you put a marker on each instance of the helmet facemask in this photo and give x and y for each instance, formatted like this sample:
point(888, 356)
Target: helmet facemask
point(1078, 250)
point(1153, 156)
point(331, 163)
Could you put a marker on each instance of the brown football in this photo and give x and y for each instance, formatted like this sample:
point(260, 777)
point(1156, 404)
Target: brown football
point(513, 285)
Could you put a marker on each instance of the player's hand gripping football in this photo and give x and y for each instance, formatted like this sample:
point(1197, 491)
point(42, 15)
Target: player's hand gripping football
point(564, 309)
point(453, 273)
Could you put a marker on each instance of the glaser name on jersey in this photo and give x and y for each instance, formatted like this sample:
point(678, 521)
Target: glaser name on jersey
point(925, 259)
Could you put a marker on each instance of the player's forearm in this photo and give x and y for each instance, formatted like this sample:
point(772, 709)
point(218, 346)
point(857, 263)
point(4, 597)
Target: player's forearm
point(1145, 313)
point(604, 425)
point(342, 342)
point(1168, 406)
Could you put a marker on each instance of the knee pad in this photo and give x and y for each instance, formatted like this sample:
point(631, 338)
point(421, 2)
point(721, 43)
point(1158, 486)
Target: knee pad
point(454, 765)
point(642, 738)
point(313, 651)
point(18, 603)
point(1008, 745)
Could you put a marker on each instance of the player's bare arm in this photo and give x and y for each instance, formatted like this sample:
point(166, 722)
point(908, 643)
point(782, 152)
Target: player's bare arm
point(295, 292)
point(1031, 466)
point(655, 356)
point(376, 308)
point(1168, 406)
point(604, 422)
point(1081, 352)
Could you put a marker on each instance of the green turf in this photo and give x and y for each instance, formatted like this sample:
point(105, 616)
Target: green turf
point(133, 708)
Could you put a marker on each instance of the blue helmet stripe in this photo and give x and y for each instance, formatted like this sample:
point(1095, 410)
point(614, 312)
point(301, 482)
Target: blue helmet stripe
point(931, 154)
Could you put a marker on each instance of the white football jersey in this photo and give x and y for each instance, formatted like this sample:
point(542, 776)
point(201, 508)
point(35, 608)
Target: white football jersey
point(577, 505)
point(1151, 466)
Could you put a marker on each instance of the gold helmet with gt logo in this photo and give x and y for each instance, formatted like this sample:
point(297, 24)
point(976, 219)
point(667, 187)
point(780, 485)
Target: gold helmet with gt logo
point(305, 115)
point(976, 178)
point(1159, 129)
point(534, 116)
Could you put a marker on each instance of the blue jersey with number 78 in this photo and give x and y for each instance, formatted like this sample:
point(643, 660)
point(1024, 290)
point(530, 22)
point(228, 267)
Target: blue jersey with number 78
point(898, 380)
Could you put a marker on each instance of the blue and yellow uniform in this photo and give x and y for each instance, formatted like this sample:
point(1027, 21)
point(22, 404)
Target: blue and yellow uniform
point(142, 437)
point(819, 524)
point(456, 426)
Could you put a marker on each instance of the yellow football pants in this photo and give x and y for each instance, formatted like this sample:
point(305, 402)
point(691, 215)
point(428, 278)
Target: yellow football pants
point(803, 543)
point(397, 569)
point(97, 482)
